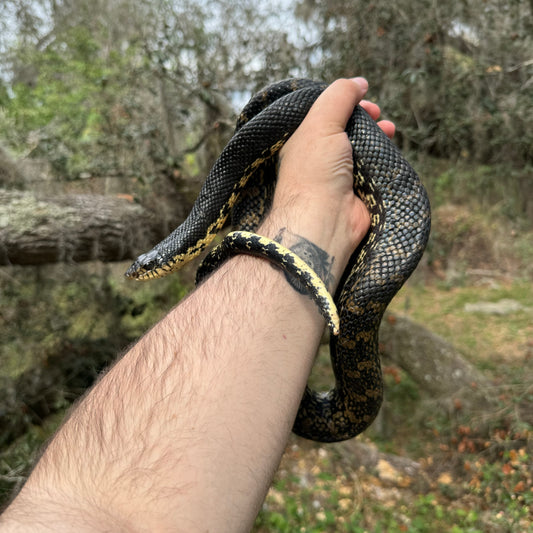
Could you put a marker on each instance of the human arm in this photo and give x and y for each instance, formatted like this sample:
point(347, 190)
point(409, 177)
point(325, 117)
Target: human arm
point(185, 432)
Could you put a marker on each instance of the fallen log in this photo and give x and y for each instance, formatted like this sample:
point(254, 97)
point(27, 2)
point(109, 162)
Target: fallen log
point(37, 230)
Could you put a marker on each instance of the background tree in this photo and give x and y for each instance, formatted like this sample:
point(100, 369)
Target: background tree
point(138, 86)
point(457, 77)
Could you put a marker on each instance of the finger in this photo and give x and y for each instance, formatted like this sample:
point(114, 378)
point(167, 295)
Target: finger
point(371, 108)
point(374, 111)
point(388, 128)
point(334, 106)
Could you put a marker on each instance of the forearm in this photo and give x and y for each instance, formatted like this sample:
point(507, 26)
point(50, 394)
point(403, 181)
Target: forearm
point(149, 445)
point(185, 432)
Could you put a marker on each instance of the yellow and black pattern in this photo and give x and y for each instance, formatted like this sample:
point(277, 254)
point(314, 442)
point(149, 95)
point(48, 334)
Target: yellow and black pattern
point(262, 129)
point(246, 242)
point(240, 187)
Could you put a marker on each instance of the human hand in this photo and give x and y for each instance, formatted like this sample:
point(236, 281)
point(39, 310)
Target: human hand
point(314, 196)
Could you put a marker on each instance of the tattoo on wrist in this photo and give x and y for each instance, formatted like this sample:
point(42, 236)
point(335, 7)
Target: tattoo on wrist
point(317, 258)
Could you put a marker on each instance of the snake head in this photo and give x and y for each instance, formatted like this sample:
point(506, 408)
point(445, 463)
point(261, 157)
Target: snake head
point(146, 266)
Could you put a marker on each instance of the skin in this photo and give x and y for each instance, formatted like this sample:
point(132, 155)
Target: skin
point(186, 430)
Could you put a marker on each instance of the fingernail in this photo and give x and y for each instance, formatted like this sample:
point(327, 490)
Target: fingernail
point(362, 83)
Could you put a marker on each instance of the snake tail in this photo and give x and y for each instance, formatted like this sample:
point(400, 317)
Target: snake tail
point(245, 242)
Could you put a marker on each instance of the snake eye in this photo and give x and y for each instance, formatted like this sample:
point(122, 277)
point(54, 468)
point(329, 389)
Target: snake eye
point(144, 263)
point(150, 260)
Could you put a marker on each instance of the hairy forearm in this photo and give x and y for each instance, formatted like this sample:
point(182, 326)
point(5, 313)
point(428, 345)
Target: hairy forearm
point(186, 430)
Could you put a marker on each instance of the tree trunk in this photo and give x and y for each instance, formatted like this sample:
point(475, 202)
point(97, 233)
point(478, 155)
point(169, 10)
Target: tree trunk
point(35, 231)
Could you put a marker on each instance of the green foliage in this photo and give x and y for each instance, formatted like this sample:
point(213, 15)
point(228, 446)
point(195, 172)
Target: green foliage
point(16, 459)
point(88, 305)
point(130, 92)
point(505, 483)
point(67, 76)
point(425, 515)
point(500, 188)
point(455, 77)
point(71, 109)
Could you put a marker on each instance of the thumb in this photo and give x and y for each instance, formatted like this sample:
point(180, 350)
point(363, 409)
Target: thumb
point(335, 105)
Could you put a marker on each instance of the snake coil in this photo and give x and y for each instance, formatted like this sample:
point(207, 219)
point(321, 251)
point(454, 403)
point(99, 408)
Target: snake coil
point(241, 185)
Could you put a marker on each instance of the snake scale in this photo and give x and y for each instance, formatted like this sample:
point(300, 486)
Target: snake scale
point(240, 187)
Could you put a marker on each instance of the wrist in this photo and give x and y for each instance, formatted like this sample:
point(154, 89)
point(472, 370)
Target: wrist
point(323, 234)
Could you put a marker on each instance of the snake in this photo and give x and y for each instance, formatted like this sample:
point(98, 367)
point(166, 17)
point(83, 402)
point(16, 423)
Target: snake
point(238, 193)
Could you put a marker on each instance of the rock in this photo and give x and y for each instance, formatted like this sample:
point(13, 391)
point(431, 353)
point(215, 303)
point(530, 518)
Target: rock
point(503, 307)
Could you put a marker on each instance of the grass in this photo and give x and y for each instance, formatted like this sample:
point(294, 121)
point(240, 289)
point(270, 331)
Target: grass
point(485, 338)
point(476, 484)
point(314, 492)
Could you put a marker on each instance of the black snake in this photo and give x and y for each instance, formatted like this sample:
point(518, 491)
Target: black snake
point(240, 186)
